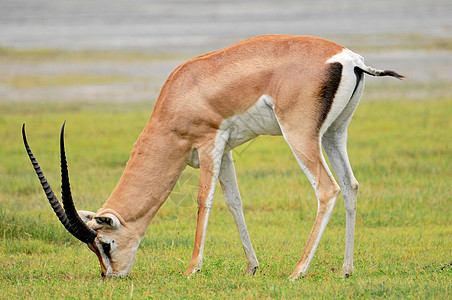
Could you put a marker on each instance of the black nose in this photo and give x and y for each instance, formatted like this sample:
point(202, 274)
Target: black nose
point(102, 275)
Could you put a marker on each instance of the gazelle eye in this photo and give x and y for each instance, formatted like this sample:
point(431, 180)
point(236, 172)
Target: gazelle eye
point(106, 247)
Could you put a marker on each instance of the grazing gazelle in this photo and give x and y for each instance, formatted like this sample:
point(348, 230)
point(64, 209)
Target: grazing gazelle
point(304, 88)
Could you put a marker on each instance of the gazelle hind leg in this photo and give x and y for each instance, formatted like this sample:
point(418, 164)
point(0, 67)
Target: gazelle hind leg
point(210, 155)
point(335, 146)
point(233, 200)
point(310, 158)
point(334, 143)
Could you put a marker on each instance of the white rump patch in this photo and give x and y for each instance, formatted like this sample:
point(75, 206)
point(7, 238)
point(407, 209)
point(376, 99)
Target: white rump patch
point(349, 60)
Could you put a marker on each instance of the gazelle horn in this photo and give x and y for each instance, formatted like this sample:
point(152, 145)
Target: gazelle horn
point(67, 216)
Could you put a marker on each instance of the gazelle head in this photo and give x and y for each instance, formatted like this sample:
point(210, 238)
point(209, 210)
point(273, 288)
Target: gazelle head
point(114, 244)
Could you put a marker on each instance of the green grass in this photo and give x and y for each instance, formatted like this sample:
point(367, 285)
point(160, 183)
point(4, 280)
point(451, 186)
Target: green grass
point(401, 152)
point(42, 81)
point(385, 42)
point(41, 55)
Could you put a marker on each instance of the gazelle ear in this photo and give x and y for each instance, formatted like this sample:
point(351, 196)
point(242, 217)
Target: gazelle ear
point(108, 220)
point(85, 215)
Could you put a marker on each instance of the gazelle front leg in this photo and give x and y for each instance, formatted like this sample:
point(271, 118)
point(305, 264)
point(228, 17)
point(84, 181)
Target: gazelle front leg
point(335, 146)
point(210, 155)
point(233, 200)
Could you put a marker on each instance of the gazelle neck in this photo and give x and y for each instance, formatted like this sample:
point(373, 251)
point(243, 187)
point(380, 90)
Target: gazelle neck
point(154, 166)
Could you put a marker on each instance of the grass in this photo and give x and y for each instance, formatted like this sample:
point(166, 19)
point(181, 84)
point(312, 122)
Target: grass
point(43, 81)
point(41, 55)
point(401, 152)
point(385, 42)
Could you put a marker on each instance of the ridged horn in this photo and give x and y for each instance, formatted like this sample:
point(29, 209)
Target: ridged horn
point(67, 216)
point(82, 231)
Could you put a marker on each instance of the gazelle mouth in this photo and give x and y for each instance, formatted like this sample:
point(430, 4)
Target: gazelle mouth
point(106, 270)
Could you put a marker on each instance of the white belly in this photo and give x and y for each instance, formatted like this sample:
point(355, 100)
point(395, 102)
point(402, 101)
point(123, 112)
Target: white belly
point(260, 119)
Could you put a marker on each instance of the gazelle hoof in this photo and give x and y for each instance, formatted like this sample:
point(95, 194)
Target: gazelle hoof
point(346, 274)
point(252, 269)
point(191, 271)
point(347, 271)
point(294, 276)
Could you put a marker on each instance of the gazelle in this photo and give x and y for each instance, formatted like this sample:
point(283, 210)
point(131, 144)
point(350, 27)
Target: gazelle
point(304, 88)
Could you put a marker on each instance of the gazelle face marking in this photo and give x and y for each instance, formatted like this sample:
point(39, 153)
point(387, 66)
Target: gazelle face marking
point(114, 262)
point(114, 247)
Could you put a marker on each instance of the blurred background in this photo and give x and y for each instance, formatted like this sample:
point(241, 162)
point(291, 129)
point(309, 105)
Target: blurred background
point(123, 50)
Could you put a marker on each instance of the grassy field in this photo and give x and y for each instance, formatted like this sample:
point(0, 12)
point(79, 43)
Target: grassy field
point(401, 152)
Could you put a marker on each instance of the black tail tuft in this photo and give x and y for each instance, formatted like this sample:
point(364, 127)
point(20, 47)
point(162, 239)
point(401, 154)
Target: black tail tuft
point(392, 74)
point(375, 72)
